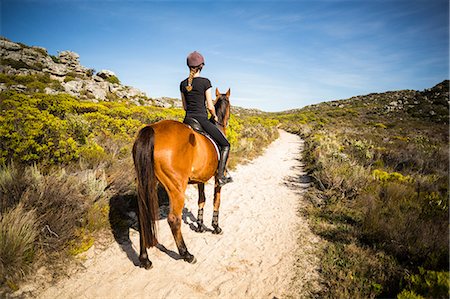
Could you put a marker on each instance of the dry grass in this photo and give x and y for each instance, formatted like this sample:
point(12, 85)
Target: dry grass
point(18, 251)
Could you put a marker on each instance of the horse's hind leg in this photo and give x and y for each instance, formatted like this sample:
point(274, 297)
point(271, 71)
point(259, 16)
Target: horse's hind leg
point(201, 205)
point(143, 257)
point(174, 219)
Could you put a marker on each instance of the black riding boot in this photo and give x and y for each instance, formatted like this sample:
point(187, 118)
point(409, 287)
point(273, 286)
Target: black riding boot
point(222, 179)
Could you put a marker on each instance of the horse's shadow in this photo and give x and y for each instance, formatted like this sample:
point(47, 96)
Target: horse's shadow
point(123, 216)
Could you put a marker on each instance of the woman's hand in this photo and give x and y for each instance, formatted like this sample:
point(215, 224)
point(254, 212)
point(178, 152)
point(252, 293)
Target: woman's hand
point(210, 104)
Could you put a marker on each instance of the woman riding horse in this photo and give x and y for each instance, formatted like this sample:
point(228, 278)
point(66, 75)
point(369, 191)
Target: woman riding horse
point(170, 154)
point(195, 92)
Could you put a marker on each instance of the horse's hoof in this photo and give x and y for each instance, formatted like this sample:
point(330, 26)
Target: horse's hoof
point(217, 230)
point(190, 258)
point(200, 229)
point(146, 264)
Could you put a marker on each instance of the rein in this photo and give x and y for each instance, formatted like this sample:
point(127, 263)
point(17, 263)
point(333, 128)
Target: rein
point(221, 124)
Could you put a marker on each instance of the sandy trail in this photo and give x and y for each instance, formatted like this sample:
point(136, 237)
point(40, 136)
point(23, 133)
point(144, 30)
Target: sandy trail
point(254, 258)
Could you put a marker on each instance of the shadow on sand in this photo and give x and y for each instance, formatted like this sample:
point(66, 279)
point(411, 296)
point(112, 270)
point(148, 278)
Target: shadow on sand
point(299, 182)
point(123, 216)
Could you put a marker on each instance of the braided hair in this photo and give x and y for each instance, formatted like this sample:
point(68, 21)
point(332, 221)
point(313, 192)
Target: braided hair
point(192, 71)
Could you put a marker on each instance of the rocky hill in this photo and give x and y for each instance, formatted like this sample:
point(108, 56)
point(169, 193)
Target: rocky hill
point(430, 104)
point(63, 73)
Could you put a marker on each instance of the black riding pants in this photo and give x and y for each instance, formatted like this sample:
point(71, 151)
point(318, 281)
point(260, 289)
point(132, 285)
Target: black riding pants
point(212, 130)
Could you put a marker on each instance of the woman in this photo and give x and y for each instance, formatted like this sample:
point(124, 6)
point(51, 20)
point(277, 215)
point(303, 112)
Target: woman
point(195, 92)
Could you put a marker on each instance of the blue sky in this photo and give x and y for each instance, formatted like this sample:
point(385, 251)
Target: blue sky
point(274, 55)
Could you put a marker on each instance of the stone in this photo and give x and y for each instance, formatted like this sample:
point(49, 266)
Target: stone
point(68, 57)
point(134, 92)
point(105, 74)
point(57, 69)
point(36, 60)
point(98, 90)
point(40, 49)
point(48, 90)
point(161, 103)
point(97, 78)
point(9, 46)
point(18, 87)
point(73, 87)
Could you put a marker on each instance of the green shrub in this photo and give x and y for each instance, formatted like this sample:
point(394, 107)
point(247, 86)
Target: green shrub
point(113, 80)
point(81, 243)
point(90, 72)
point(16, 64)
point(29, 134)
point(356, 272)
point(427, 284)
point(5, 79)
point(68, 78)
point(55, 59)
point(42, 51)
point(407, 225)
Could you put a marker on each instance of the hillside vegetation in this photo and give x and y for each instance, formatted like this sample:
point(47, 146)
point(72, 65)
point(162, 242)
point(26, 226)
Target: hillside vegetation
point(64, 158)
point(379, 166)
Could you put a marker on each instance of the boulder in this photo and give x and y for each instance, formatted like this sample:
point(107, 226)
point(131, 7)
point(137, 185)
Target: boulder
point(18, 87)
point(48, 90)
point(73, 87)
point(9, 46)
point(98, 89)
point(105, 74)
point(68, 57)
point(97, 78)
point(3, 87)
point(134, 92)
point(160, 102)
point(57, 69)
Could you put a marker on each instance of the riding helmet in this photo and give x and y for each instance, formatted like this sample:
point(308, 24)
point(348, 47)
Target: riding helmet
point(195, 59)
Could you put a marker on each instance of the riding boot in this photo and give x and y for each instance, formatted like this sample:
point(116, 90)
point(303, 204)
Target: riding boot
point(221, 178)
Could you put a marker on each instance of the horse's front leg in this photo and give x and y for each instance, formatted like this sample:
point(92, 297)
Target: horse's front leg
point(215, 220)
point(201, 205)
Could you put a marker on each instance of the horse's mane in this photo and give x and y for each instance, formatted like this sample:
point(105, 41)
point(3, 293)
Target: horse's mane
point(221, 107)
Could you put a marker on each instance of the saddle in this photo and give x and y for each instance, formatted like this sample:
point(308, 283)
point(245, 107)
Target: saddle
point(197, 127)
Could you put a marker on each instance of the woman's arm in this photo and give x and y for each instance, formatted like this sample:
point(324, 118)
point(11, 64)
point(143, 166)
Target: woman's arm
point(183, 101)
point(209, 104)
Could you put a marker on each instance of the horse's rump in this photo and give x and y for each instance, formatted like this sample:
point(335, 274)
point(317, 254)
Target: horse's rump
point(181, 150)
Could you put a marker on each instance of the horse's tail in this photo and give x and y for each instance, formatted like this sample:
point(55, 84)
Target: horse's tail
point(143, 149)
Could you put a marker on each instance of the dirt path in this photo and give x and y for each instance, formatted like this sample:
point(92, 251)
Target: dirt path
point(254, 258)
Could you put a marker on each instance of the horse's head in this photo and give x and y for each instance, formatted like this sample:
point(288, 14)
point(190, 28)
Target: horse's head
point(222, 106)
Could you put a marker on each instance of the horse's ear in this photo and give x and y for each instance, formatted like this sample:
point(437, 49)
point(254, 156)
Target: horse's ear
point(217, 92)
point(228, 93)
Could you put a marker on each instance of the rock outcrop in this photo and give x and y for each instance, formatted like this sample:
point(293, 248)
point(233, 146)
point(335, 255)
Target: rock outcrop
point(73, 78)
point(431, 104)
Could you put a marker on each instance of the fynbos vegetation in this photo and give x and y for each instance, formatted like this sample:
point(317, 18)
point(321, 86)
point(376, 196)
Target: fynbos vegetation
point(379, 164)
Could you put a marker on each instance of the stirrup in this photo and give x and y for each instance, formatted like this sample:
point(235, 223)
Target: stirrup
point(224, 180)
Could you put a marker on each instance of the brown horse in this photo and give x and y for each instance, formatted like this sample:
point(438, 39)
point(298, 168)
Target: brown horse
point(172, 154)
